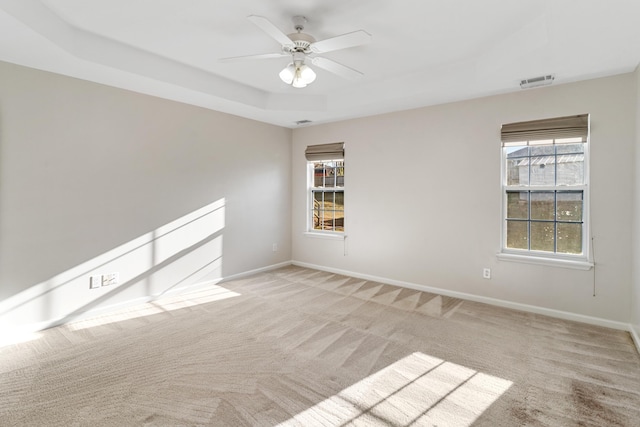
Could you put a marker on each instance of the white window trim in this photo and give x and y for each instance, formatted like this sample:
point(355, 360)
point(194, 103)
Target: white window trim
point(310, 231)
point(576, 264)
point(579, 262)
point(331, 235)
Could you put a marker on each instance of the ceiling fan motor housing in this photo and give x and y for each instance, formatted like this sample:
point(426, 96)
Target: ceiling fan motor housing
point(301, 43)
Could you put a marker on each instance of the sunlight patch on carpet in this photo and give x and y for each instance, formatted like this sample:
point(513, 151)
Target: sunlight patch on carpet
point(417, 389)
point(211, 294)
point(17, 337)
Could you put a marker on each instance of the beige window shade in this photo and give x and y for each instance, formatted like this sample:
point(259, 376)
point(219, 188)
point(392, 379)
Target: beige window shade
point(333, 151)
point(557, 128)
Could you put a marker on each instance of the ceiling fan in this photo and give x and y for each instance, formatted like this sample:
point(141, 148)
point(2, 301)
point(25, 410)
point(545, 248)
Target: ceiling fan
point(302, 48)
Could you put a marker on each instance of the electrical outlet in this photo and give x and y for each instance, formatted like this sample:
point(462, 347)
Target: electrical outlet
point(95, 282)
point(486, 273)
point(110, 279)
point(275, 247)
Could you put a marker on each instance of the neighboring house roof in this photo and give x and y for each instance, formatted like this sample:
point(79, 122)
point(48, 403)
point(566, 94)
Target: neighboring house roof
point(550, 160)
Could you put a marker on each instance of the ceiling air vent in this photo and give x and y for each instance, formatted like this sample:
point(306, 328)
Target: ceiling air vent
point(303, 122)
point(537, 81)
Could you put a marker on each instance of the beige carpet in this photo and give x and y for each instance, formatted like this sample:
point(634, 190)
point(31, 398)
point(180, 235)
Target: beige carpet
point(301, 347)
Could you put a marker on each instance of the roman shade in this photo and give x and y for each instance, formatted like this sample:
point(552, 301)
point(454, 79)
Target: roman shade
point(333, 151)
point(573, 127)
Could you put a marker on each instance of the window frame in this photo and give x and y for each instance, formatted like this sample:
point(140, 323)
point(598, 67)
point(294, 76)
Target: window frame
point(312, 190)
point(581, 261)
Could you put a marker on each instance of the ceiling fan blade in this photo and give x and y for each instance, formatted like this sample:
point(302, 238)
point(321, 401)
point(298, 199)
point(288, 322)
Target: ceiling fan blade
point(252, 57)
point(265, 25)
point(344, 41)
point(336, 68)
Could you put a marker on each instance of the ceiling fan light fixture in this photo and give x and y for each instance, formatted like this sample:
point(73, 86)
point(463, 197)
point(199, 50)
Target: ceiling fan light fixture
point(287, 73)
point(298, 84)
point(297, 74)
point(306, 74)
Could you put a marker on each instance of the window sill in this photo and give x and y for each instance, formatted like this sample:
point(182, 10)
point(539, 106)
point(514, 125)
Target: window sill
point(550, 262)
point(330, 236)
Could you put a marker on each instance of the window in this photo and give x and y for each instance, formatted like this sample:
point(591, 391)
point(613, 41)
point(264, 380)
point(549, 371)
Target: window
point(545, 188)
point(325, 164)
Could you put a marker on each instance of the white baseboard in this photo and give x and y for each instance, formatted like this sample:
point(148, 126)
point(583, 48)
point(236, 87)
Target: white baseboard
point(634, 330)
point(256, 271)
point(477, 298)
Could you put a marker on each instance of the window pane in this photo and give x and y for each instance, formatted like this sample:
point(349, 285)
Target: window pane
point(542, 205)
point(542, 236)
point(543, 171)
point(318, 175)
point(569, 238)
point(542, 150)
point(570, 149)
point(339, 200)
point(517, 235)
point(513, 152)
point(570, 169)
point(328, 220)
point(339, 211)
point(517, 165)
point(339, 174)
point(317, 199)
point(517, 172)
point(518, 204)
point(330, 177)
point(569, 206)
point(318, 211)
point(329, 199)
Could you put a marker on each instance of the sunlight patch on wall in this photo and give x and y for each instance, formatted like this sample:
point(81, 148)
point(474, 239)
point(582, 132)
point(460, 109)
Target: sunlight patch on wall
point(418, 389)
point(174, 256)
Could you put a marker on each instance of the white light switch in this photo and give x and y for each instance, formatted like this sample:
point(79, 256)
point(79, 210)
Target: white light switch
point(95, 282)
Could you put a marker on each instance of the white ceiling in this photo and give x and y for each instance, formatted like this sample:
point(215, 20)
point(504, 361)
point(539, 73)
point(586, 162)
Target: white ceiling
point(423, 52)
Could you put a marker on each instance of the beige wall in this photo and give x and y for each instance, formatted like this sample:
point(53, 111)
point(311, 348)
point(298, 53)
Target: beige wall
point(86, 169)
point(434, 220)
